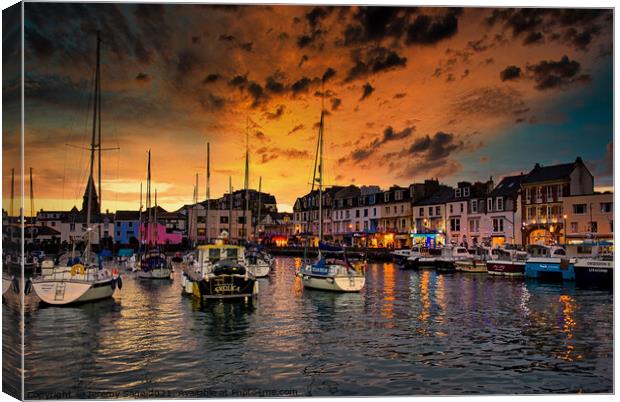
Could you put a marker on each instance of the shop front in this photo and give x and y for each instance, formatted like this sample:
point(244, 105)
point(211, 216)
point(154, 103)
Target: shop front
point(428, 240)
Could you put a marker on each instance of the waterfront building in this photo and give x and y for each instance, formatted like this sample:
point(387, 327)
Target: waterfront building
point(73, 227)
point(218, 222)
point(396, 220)
point(430, 217)
point(344, 223)
point(306, 215)
point(465, 207)
point(503, 212)
point(543, 191)
point(276, 228)
point(588, 218)
point(126, 227)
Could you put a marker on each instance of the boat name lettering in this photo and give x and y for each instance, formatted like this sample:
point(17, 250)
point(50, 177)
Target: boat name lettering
point(226, 288)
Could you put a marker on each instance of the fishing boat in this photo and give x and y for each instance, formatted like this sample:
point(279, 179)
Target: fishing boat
point(82, 280)
point(507, 262)
point(328, 274)
point(597, 272)
point(153, 263)
point(413, 257)
point(400, 257)
point(219, 273)
point(549, 263)
point(449, 256)
point(476, 263)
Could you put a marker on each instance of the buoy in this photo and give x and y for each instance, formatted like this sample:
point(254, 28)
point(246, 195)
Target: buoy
point(113, 283)
point(119, 282)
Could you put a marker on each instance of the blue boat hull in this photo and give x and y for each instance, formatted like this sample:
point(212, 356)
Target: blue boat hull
point(550, 270)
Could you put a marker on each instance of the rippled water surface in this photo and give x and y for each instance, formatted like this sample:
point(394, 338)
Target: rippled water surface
point(406, 333)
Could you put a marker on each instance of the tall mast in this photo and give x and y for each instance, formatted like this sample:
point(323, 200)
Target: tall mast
point(247, 178)
point(12, 202)
point(148, 201)
point(31, 209)
point(140, 221)
point(92, 146)
point(156, 234)
point(321, 164)
point(99, 148)
point(208, 193)
point(196, 190)
point(230, 208)
point(260, 182)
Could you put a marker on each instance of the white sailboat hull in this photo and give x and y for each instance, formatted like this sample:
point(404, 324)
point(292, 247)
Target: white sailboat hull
point(338, 283)
point(259, 270)
point(156, 273)
point(52, 292)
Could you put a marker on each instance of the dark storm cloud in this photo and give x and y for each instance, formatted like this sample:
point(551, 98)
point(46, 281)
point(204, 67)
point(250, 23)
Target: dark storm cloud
point(143, 77)
point(336, 102)
point(439, 146)
point(296, 128)
point(549, 74)
point(246, 46)
point(329, 73)
point(226, 38)
point(374, 60)
point(210, 102)
point(317, 14)
point(373, 24)
point(389, 135)
point(510, 73)
point(41, 45)
point(254, 89)
point(367, 90)
point(576, 27)
point(270, 153)
point(211, 78)
point(534, 38)
point(427, 30)
point(276, 114)
point(301, 85)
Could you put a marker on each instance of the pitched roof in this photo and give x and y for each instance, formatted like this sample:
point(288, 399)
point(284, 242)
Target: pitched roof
point(127, 215)
point(549, 173)
point(439, 197)
point(509, 186)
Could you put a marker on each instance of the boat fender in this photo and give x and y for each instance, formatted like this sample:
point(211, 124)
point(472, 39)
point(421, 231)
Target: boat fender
point(113, 283)
point(330, 280)
point(28, 287)
point(119, 282)
point(15, 285)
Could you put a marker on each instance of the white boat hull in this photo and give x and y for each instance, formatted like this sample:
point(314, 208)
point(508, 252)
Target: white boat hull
point(259, 270)
point(156, 273)
point(6, 284)
point(345, 283)
point(52, 292)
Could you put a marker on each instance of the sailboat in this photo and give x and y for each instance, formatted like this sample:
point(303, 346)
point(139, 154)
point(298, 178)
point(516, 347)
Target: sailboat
point(84, 279)
point(256, 262)
point(335, 274)
point(153, 263)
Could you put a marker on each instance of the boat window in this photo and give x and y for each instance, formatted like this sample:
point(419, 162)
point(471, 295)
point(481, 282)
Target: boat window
point(214, 254)
point(461, 250)
point(232, 253)
point(560, 252)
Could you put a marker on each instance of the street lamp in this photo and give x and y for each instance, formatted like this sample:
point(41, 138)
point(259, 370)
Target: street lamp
point(564, 216)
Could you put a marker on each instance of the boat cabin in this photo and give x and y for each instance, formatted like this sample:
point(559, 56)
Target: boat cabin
point(538, 250)
point(210, 254)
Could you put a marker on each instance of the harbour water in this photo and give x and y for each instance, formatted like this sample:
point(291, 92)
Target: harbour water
point(406, 333)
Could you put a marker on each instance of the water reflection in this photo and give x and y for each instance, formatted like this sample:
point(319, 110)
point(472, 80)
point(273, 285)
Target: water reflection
point(407, 332)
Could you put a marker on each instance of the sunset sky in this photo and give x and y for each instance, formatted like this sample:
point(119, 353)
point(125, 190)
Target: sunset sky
point(411, 93)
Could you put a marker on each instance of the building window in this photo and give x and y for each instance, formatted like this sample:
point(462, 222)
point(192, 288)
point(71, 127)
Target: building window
point(224, 219)
point(560, 191)
point(489, 204)
point(365, 212)
point(528, 195)
point(594, 227)
point(395, 209)
point(118, 234)
point(579, 209)
point(574, 227)
point(530, 213)
point(498, 225)
point(451, 208)
point(466, 192)
point(605, 207)
point(500, 204)
point(549, 193)
point(474, 225)
point(374, 212)
point(437, 211)
point(403, 223)
point(386, 196)
point(430, 211)
point(53, 223)
point(462, 205)
point(455, 225)
point(457, 193)
point(474, 206)
point(371, 199)
point(398, 196)
point(421, 211)
point(365, 226)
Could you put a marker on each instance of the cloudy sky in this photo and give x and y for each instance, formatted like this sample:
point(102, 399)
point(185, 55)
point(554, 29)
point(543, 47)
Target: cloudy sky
point(410, 93)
